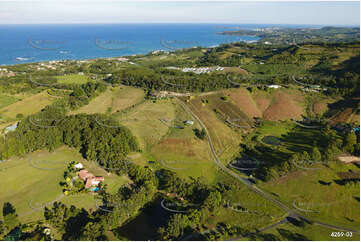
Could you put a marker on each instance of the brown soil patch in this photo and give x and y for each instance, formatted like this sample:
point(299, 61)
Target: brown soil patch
point(297, 96)
point(349, 175)
point(262, 103)
point(355, 118)
point(244, 101)
point(342, 117)
point(283, 107)
point(319, 107)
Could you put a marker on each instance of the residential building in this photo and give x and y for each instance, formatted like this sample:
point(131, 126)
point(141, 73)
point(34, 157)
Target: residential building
point(89, 179)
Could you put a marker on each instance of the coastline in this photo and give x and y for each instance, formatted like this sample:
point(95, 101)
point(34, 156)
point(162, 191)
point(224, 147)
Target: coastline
point(122, 56)
point(43, 43)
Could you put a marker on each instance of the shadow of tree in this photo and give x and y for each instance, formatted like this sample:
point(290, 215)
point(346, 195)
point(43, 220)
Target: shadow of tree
point(300, 139)
point(325, 183)
point(288, 235)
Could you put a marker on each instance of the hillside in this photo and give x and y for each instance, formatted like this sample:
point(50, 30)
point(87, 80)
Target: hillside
point(216, 143)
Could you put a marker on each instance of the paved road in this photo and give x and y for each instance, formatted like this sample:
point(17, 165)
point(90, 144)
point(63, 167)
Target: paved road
point(291, 213)
point(285, 220)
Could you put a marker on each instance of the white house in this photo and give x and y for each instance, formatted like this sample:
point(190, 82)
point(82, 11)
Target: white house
point(274, 86)
point(189, 122)
point(79, 166)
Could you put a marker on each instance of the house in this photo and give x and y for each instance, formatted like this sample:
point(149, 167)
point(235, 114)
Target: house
point(274, 86)
point(84, 175)
point(91, 182)
point(79, 166)
point(189, 122)
point(89, 179)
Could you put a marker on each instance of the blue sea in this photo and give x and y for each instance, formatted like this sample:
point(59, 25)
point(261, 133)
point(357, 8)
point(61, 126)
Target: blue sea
point(35, 43)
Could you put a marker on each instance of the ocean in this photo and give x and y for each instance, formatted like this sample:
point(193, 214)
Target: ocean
point(35, 43)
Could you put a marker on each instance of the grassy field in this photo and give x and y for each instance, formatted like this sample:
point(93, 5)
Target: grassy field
point(292, 139)
point(181, 151)
point(317, 192)
point(73, 79)
point(170, 59)
point(6, 100)
point(224, 137)
point(275, 128)
point(257, 214)
point(28, 186)
point(144, 122)
point(113, 100)
point(26, 106)
point(310, 232)
point(164, 142)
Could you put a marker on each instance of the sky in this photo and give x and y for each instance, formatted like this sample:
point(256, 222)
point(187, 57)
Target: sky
point(142, 11)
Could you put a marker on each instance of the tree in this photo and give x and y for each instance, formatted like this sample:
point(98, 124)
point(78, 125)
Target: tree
point(177, 226)
point(2, 230)
point(316, 154)
point(19, 115)
point(213, 200)
point(305, 156)
point(331, 150)
point(349, 142)
point(10, 216)
point(68, 221)
point(93, 231)
point(200, 133)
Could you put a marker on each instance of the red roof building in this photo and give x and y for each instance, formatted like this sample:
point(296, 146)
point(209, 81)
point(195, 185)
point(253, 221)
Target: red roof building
point(89, 178)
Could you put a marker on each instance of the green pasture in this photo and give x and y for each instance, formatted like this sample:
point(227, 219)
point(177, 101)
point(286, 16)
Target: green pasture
point(32, 182)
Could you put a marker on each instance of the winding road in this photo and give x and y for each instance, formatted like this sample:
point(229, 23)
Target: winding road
point(306, 126)
point(255, 189)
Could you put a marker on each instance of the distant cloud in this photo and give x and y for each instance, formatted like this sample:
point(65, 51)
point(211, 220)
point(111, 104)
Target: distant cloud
point(113, 11)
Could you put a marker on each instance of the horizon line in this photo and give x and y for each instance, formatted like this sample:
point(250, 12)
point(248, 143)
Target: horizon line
point(228, 23)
